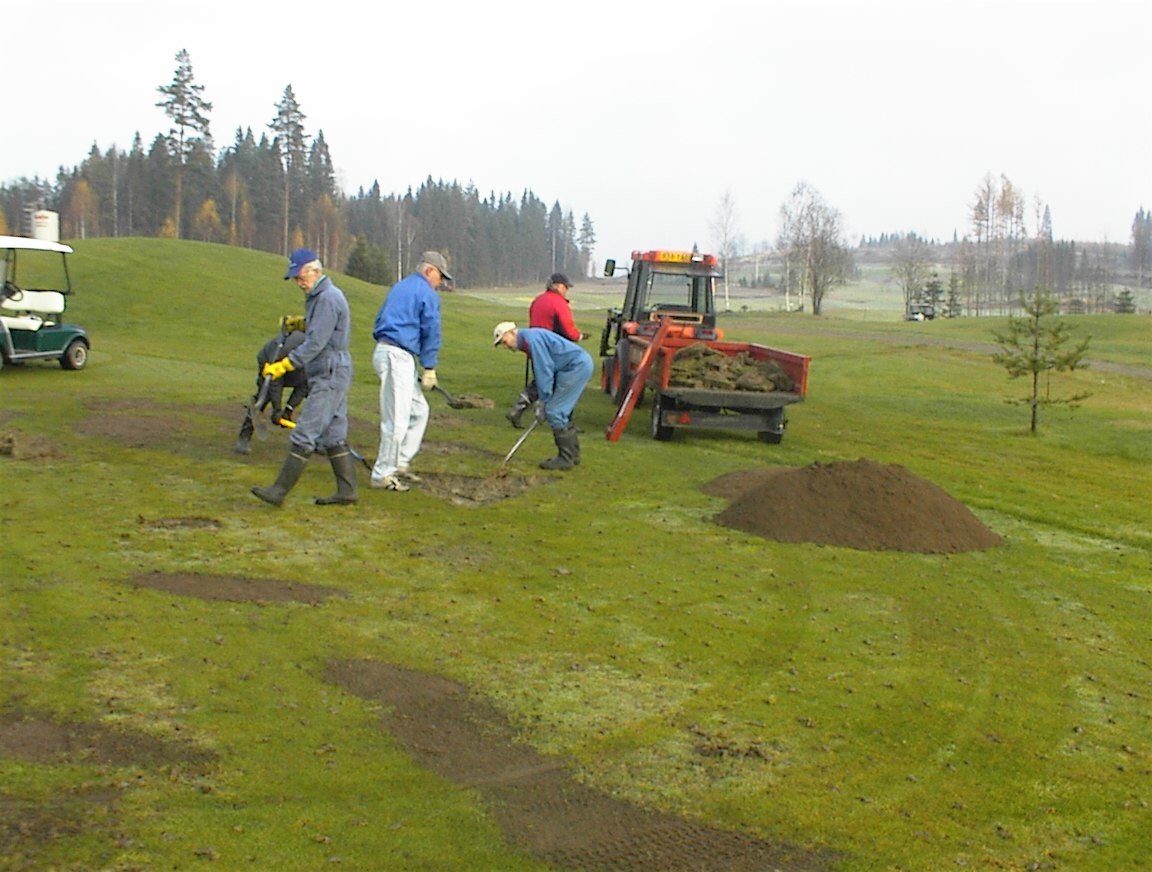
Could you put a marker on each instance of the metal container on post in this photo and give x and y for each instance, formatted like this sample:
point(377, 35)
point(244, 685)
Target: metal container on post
point(46, 225)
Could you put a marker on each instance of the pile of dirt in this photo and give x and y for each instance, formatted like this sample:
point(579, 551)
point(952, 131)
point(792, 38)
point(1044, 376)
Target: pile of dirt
point(865, 505)
point(698, 366)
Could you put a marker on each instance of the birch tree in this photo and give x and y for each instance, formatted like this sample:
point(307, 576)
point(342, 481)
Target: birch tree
point(911, 264)
point(812, 243)
point(724, 235)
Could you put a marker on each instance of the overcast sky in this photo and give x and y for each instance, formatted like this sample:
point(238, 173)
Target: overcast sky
point(640, 114)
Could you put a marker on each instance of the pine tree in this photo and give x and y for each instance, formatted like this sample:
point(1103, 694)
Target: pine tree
point(184, 104)
point(1034, 346)
point(288, 126)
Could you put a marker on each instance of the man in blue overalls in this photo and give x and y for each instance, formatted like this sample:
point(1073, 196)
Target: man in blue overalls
point(323, 424)
point(562, 370)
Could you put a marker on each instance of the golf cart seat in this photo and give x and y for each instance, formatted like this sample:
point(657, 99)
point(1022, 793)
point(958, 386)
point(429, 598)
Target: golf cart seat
point(30, 310)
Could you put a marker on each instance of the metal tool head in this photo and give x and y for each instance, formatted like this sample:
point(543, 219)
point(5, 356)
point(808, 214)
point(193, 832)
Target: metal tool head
point(520, 441)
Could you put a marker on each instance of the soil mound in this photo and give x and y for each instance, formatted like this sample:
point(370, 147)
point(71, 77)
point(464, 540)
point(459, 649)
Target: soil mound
point(863, 504)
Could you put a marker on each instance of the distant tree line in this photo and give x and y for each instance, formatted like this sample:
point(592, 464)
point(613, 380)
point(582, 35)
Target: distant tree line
point(980, 273)
point(277, 191)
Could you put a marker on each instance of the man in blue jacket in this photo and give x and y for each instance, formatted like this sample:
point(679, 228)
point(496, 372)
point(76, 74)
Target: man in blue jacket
point(407, 334)
point(323, 424)
point(562, 370)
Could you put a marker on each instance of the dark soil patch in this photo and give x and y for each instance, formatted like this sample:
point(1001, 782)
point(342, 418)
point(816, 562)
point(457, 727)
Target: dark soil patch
point(863, 504)
point(39, 739)
point(466, 490)
point(543, 810)
point(473, 401)
point(226, 587)
point(188, 523)
point(144, 424)
point(28, 824)
point(27, 446)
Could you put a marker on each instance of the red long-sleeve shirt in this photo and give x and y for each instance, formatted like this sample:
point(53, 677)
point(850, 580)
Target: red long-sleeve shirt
point(552, 311)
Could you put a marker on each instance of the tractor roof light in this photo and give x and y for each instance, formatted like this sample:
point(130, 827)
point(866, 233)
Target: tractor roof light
point(661, 256)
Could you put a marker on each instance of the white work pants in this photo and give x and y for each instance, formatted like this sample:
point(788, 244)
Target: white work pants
point(403, 410)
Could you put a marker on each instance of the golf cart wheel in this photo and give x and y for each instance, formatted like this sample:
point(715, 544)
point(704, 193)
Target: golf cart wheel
point(659, 430)
point(75, 355)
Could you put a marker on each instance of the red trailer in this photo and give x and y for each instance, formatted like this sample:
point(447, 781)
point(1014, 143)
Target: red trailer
point(668, 308)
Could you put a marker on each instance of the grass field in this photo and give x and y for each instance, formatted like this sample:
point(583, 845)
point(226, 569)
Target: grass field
point(907, 711)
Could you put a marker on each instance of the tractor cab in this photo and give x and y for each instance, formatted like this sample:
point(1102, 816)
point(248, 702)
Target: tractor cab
point(32, 304)
point(677, 286)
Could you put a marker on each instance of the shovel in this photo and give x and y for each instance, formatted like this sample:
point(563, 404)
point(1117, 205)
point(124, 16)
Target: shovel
point(254, 406)
point(520, 441)
point(360, 457)
point(453, 403)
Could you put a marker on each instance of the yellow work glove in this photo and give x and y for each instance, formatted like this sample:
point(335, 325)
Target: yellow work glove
point(278, 369)
point(292, 322)
point(428, 380)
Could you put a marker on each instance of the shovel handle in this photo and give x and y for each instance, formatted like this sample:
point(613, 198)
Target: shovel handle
point(520, 441)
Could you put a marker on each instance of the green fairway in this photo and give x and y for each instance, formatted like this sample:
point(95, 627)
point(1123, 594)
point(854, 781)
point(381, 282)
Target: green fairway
point(893, 710)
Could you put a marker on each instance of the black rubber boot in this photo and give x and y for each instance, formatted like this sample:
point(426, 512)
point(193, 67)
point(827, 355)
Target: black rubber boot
point(242, 446)
point(567, 447)
point(289, 474)
point(344, 468)
point(522, 403)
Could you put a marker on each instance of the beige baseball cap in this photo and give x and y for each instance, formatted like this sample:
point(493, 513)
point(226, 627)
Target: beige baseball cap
point(500, 329)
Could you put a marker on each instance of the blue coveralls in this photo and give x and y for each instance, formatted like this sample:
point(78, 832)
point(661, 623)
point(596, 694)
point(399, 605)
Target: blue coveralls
point(562, 369)
point(324, 354)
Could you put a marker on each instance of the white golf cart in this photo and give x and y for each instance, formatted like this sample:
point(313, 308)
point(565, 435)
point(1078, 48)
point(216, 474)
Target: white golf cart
point(32, 303)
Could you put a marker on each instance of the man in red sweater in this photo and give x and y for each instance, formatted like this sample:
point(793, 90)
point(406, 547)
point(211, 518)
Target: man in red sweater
point(551, 311)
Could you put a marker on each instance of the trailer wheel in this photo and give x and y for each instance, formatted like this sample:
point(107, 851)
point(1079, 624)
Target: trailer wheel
point(75, 355)
point(658, 429)
point(777, 422)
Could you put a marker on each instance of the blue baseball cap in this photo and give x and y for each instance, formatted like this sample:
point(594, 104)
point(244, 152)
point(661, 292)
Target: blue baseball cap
point(299, 259)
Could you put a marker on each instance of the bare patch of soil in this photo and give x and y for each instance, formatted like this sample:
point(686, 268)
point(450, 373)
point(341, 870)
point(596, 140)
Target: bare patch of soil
point(27, 823)
point(543, 810)
point(226, 587)
point(466, 490)
point(27, 446)
point(189, 523)
point(473, 401)
point(863, 504)
point(39, 739)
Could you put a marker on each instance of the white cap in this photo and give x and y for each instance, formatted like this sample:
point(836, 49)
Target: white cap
point(500, 329)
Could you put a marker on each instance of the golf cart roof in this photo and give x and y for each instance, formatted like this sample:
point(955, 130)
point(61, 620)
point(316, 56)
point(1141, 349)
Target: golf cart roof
point(27, 243)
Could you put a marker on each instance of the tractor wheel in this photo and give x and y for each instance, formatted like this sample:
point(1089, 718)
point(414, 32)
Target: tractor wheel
point(659, 430)
point(607, 368)
point(619, 381)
